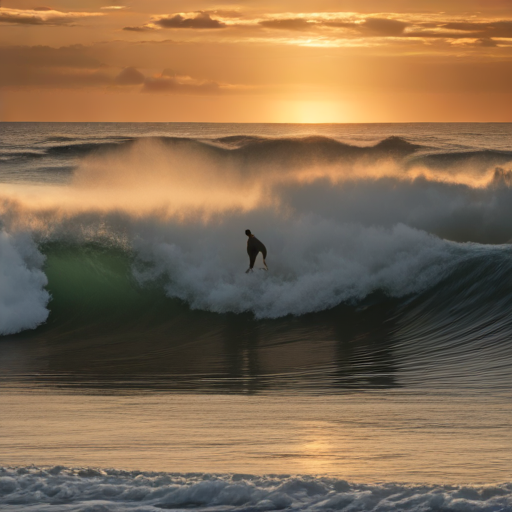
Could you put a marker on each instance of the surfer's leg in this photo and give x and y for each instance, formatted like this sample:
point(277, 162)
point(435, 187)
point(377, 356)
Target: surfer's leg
point(252, 259)
point(264, 254)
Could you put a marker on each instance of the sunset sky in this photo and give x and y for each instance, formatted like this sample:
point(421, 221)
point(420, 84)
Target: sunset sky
point(256, 60)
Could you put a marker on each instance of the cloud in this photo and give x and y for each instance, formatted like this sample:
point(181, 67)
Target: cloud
point(500, 28)
point(113, 7)
point(42, 16)
point(55, 78)
point(170, 83)
point(43, 66)
point(202, 20)
point(288, 24)
point(340, 24)
point(225, 14)
point(80, 67)
point(486, 42)
point(143, 28)
point(369, 27)
point(384, 26)
point(27, 57)
point(183, 85)
point(463, 30)
point(351, 25)
point(129, 76)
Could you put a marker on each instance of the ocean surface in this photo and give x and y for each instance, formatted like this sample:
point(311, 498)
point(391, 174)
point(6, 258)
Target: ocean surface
point(142, 369)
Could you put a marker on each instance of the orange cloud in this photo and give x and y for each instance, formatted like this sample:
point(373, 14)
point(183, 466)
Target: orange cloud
point(129, 76)
point(197, 21)
point(176, 85)
point(76, 67)
point(289, 24)
point(42, 16)
point(355, 60)
point(201, 20)
point(339, 25)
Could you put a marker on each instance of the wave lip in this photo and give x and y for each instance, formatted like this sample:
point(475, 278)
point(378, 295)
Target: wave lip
point(314, 149)
point(65, 489)
point(82, 148)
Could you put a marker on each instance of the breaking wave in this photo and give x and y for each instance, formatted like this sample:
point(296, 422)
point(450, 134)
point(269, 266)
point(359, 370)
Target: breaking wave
point(152, 225)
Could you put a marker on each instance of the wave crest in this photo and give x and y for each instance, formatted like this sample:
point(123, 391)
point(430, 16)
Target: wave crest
point(314, 265)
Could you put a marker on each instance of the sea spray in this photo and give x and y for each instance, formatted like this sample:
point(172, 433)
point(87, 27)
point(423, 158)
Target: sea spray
point(316, 264)
point(23, 298)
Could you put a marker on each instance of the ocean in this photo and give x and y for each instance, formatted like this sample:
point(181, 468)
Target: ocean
point(142, 369)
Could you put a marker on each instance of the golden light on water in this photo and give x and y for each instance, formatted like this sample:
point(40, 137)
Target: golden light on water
point(317, 449)
point(369, 440)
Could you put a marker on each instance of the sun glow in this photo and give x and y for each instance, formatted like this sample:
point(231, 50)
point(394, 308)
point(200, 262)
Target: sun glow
point(312, 112)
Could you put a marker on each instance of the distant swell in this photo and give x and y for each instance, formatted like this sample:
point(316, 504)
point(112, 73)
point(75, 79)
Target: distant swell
point(247, 145)
point(317, 147)
point(311, 148)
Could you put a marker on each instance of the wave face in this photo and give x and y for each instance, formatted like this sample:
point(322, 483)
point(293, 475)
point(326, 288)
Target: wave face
point(87, 489)
point(382, 248)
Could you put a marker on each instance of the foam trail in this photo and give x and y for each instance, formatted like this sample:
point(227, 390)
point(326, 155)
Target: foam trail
point(23, 299)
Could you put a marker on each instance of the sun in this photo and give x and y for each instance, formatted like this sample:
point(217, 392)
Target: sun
point(316, 111)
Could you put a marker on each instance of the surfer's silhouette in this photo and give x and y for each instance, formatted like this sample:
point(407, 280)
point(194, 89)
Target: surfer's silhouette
point(254, 246)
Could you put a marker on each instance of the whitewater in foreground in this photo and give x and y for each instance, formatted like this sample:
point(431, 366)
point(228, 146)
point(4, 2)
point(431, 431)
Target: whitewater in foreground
point(93, 490)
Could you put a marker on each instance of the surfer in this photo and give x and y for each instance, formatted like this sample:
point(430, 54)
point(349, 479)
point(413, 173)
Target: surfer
point(254, 246)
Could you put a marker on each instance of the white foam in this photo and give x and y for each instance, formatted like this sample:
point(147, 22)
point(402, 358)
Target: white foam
point(67, 490)
point(23, 298)
point(315, 264)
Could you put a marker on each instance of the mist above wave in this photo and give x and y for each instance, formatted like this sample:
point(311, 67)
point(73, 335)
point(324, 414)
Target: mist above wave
point(468, 200)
